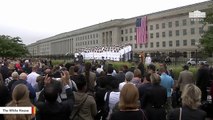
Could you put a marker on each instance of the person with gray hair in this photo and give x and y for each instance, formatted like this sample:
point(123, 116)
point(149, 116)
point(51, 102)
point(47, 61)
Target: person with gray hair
point(15, 77)
point(128, 77)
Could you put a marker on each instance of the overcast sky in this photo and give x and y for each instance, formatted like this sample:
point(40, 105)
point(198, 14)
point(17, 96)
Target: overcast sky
point(33, 20)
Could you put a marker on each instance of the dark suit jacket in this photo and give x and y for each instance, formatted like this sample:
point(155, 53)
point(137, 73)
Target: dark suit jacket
point(56, 110)
point(187, 114)
point(154, 102)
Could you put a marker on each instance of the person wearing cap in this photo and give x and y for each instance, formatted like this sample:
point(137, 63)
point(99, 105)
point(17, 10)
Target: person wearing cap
point(185, 77)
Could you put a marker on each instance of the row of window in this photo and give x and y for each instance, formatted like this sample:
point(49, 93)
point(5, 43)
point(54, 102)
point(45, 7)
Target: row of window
point(91, 42)
point(164, 44)
point(85, 37)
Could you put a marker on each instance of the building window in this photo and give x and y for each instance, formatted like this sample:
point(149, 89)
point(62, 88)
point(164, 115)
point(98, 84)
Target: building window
point(135, 29)
point(170, 33)
point(93, 42)
point(192, 22)
point(122, 39)
point(151, 45)
point(170, 44)
point(141, 45)
point(157, 35)
point(176, 23)
point(177, 43)
point(184, 42)
point(96, 35)
point(177, 32)
point(163, 34)
point(192, 42)
point(135, 37)
point(163, 25)
point(200, 30)
point(146, 45)
point(157, 44)
point(90, 36)
point(163, 44)
point(151, 35)
point(126, 31)
point(170, 24)
point(130, 37)
point(184, 22)
point(126, 38)
point(192, 31)
point(96, 41)
point(130, 30)
point(122, 31)
point(157, 26)
point(151, 27)
point(136, 45)
point(184, 32)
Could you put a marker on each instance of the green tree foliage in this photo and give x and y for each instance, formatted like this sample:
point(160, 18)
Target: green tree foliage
point(207, 38)
point(12, 47)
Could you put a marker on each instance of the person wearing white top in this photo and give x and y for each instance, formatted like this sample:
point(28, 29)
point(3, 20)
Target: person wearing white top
point(31, 78)
point(128, 77)
point(148, 60)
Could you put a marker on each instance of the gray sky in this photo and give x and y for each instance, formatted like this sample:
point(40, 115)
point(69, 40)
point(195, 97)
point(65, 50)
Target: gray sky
point(33, 20)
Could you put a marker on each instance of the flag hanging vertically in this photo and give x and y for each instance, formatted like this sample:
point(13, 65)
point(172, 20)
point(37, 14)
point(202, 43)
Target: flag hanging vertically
point(141, 30)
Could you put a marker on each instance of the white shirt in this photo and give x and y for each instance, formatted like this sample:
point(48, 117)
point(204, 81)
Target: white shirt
point(31, 78)
point(121, 85)
point(148, 60)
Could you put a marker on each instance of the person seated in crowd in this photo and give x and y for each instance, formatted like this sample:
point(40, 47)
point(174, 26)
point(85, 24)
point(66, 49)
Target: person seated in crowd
point(191, 100)
point(85, 105)
point(128, 105)
point(48, 106)
point(20, 98)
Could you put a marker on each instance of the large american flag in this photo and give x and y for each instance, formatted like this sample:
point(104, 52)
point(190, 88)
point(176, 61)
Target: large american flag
point(141, 30)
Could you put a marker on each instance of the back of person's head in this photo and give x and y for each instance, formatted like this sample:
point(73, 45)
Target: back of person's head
point(20, 96)
point(76, 68)
point(50, 93)
point(186, 67)
point(80, 82)
point(162, 69)
point(155, 79)
point(88, 66)
point(147, 77)
point(137, 73)
point(15, 75)
point(129, 97)
point(110, 69)
point(23, 76)
point(191, 96)
point(128, 76)
point(151, 67)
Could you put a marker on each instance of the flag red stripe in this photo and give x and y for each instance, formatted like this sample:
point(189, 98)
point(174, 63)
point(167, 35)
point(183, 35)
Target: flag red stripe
point(141, 31)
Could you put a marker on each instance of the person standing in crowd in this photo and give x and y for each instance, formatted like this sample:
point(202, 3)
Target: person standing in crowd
point(128, 77)
point(191, 100)
point(151, 68)
point(4, 95)
point(20, 98)
point(143, 88)
point(15, 77)
point(168, 83)
point(4, 71)
point(148, 59)
point(23, 80)
point(155, 99)
point(85, 105)
point(142, 68)
point(202, 80)
point(31, 78)
point(90, 78)
point(48, 106)
point(128, 105)
point(185, 77)
point(120, 75)
point(136, 80)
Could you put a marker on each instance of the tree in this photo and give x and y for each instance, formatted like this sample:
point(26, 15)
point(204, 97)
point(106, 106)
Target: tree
point(206, 40)
point(12, 47)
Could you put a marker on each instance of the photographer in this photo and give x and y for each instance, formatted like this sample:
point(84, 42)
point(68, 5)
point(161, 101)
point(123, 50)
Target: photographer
point(48, 106)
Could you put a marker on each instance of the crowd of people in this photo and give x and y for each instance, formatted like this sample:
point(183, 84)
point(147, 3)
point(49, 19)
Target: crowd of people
point(88, 91)
point(113, 53)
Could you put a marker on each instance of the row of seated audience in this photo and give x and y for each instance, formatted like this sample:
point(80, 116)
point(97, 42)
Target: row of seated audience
point(84, 92)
